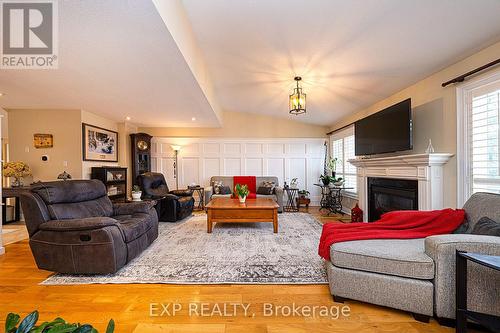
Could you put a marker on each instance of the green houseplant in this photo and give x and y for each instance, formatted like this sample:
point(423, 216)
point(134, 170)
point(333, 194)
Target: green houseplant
point(58, 325)
point(136, 193)
point(304, 194)
point(325, 179)
point(242, 192)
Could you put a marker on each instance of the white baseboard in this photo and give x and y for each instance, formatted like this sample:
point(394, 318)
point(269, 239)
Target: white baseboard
point(346, 210)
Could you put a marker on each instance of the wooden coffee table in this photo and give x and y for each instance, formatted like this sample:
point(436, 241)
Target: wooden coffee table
point(226, 210)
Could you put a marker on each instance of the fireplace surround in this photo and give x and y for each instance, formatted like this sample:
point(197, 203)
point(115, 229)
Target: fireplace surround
point(425, 169)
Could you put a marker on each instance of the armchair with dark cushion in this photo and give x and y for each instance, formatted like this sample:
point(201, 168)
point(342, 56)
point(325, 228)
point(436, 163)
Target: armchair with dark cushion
point(172, 205)
point(74, 228)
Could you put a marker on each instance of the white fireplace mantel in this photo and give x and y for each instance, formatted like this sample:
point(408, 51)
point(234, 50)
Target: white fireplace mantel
point(427, 169)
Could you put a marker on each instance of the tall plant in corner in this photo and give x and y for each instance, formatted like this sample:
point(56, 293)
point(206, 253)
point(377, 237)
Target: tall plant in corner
point(242, 192)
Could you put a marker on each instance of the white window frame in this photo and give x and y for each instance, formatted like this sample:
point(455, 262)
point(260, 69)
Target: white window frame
point(341, 134)
point(465, 94)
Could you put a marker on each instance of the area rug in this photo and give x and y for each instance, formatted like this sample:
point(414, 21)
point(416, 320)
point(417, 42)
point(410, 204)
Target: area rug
point(236, 253)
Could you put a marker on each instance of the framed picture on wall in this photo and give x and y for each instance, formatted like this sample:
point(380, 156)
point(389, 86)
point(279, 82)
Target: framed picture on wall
point(99, 144)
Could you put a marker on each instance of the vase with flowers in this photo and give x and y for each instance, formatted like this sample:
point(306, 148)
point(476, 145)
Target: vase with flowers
point(16, 170)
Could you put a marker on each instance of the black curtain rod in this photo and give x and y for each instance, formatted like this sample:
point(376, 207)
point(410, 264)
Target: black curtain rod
point(461, 78)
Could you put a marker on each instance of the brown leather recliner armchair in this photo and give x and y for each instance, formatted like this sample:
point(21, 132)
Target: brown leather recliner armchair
point(74, 228)
point(171, 205)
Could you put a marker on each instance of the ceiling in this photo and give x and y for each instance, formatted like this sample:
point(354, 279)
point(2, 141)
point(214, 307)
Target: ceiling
point(350, 54)
point(118, 58)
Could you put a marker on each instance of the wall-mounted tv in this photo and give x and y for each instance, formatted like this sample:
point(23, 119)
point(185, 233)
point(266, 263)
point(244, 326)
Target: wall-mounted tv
point(386, 131)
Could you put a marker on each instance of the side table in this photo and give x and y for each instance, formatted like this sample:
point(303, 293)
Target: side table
point(15, 193)
point(291, 194)
point(462, 314)
point(201, 196)
point(331, 198)
point(303, 201)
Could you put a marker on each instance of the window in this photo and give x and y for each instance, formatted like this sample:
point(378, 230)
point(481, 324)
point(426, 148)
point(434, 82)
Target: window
point(342, 148)
point(478, 105)
point(485, 141)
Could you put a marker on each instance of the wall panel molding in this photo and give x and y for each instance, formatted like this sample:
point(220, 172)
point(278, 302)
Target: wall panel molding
point(202, 158)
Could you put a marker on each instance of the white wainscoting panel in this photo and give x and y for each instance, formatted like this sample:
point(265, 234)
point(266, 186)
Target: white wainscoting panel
point(202, 158)
point(211, 166)
point(253, 166)
point(232, 166)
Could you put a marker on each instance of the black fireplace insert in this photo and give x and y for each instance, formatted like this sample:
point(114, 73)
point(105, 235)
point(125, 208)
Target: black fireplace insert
point(387, 194)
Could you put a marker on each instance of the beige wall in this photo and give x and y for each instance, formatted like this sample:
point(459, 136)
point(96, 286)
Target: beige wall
point(245, 125)
point(64, 125)
point(434, 113)
point(5, 123)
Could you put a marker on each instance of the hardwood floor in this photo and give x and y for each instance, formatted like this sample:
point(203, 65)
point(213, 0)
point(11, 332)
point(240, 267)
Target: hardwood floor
point(129, 305)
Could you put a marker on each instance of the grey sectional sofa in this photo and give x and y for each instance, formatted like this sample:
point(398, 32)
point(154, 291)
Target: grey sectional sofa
point(418, 275)
point(228, 181)
point(74, 228)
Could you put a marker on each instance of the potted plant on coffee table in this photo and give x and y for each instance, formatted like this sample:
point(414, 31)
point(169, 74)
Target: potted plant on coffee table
point(136, 193)
point(241, 191)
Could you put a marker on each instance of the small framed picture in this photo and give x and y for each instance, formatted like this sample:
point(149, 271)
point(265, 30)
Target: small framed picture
point(99, 144)
point(43, 140)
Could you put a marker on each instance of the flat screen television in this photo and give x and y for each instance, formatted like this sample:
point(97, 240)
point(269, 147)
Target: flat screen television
point(386, 131)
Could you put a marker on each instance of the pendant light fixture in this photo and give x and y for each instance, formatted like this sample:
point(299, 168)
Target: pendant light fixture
point(297, 101)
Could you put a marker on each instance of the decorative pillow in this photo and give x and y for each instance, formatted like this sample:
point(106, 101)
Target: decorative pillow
point(463, 228)
point(486, 226)
point(265, 190)
point(217, 185)
point(225, 190)
point(269, 185)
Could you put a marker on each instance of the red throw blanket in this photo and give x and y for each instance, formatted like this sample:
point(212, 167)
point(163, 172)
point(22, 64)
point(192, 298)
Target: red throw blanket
point(403, 224)
point(250, 181)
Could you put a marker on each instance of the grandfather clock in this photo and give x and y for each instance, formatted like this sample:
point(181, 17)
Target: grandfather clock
point(141, 154)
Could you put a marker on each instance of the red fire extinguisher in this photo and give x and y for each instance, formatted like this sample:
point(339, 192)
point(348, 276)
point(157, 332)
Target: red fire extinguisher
point(356, 214)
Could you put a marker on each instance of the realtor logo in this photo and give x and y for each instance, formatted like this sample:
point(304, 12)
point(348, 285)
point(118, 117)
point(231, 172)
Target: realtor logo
point(29, 34)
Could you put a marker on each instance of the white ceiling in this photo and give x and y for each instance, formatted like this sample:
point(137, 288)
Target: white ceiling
point(117, 58)
point(349, 53)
